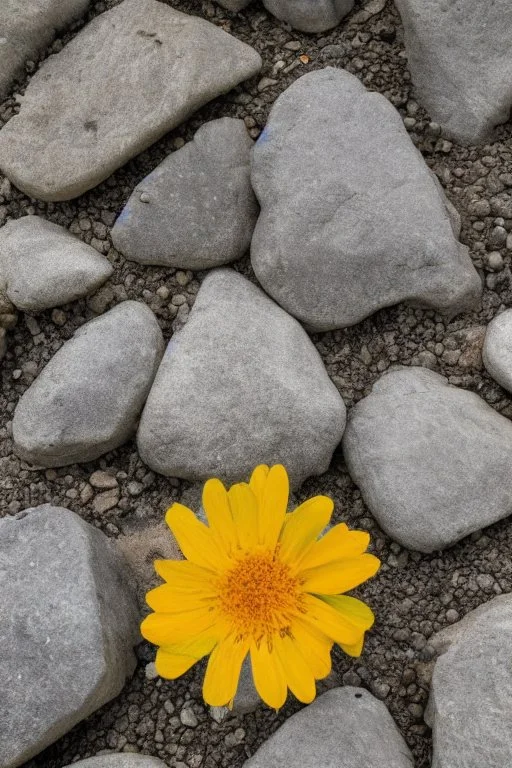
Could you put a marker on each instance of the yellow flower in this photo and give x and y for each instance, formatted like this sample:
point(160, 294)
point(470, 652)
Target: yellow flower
point(258, 580)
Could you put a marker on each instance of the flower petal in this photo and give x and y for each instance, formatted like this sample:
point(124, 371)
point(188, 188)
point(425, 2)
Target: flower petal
point(171, 666)
point(297, 672)
point(258, 481)
point(273, 504)
point(329, 621)
point(173, 628)
point(354, 650)
point(183, 573)
point(194, 538)
point(314, 646)
point(223, 672)
point(354, 610)
point(244, 509)
point(218, 513)
point(340, 575)
point(302, 527)
point(337, 544)
point(268, 675)
point(169, 598)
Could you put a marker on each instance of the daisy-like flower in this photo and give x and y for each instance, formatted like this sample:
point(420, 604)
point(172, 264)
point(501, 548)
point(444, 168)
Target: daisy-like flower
point(259, 581)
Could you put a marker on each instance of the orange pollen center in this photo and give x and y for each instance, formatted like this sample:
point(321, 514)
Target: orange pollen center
point(259, 595)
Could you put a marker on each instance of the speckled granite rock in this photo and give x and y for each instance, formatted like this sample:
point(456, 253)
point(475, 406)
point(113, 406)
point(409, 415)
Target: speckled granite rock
point(497, 351)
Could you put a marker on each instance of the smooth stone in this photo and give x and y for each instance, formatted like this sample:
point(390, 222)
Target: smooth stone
point(432, 461)
point(351, 218)
point(497, 351)
point(86, 401)
point(344, 728)
point(130, 76)
point(460, 63)
point(471, 691)
point(119, 760)
point(310, 15)
point(241, 384)
point(69, 623)
point(234, 5)
point(196, 210)
point(26, 28)
point(43, 265)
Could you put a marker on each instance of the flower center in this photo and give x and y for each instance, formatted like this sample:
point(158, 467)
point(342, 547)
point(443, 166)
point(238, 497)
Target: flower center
point(258, 596)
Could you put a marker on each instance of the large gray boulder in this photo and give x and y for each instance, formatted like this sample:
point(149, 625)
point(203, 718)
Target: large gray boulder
point(310, 15)
point(117, 87)
point(344, 728)
point(460, 62)
point(87, 399)
point(43, 265)
point(196, 210)
point(69, 621)
point(26, 28)
point(351, 219)
point(119, 760)
point(241, 384)
point(432, 461)
point(497, 351)
point(470, 703)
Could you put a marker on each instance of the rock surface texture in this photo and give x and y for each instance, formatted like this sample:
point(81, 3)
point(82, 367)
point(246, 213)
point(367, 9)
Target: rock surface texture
point(118, 760)
point(131, 66)
point(471, 692)
point(26, 28)
point(344, 728)
point(459, 59)
point(234, 5)
point(432, 461)
point(351, 219)
point(310, 15)
point(241, 384)
point(42, 265)
point(196, 210)
point(86, 401)
point(497, 351)
point(69, 621)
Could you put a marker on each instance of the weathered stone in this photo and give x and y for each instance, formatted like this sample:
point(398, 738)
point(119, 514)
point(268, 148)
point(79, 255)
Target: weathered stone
point(131, 67)
point(344, 728)
point(497, 351)
point(459, 58)
point(3, 342)
point(432, 461)
point(351, 219)
point(119, 760)
point(471, 691)
point(234, 5)
point(196, 210)
point(42, 265)
point(310, 15)
point(86, 401)
point(241, 384)
point(69, 621)
point(26, 28)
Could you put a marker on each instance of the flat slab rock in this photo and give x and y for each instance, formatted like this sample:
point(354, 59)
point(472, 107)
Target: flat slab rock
point(497, 351)
point(432, 461)
point(470, 703)
point(68, 624)
point(196, 210)
point(460, 62)
point(119, 760)
point(344, 728)
point(351, 219)
point(43, 265)
point(310, 15)
point(241, 384)
point(131, 67)
point(26, 28)
point(87, 399)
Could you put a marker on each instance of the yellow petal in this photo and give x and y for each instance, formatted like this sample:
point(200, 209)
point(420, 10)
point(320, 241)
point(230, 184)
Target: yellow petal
point(338, 543)
point(329, 621)
point(183, 572)
point(340, 575)
point(169, 598)
point(273, 504)
point(196, 647)
point(258, 481)
point(302, 527)
point(194, 538)
point(172, 628)
point(297, 671)
point(353, 650)
point(268, 675)
point(218, 513)
point(223, 672)
point(314, 646)
point(171, 666)
point(354, 610)
point(244, 509)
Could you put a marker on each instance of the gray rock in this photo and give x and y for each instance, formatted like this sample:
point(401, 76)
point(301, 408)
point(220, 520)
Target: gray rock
point(497, 351)
point(131, 67)
point(86, 401)
point(310, 15)
point(351, 219)
point(344, 728)
point(241, 384)
point(69, 621)
point(432, 461)
point(196, 210)
point(470, 701)
point(42, 265)
point(119, 760)
point(234, 5)
point(26, 28)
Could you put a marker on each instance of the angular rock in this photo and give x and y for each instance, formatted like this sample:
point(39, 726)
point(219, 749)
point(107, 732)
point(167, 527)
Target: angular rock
point(310, 15)
point(119, 760)
point(460, 62)
point(351, 219)
point(27, 28)
point(344, 728)
point(86, 400)
point(471, 692)
point(241, 384)
point(432, 461)
point(196, 210)
point(42, 265)
point(117, 87)
point(69, 624)
point(497, 351)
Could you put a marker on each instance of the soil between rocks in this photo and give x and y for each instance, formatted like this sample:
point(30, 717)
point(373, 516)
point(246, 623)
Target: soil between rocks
point(413, 595)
